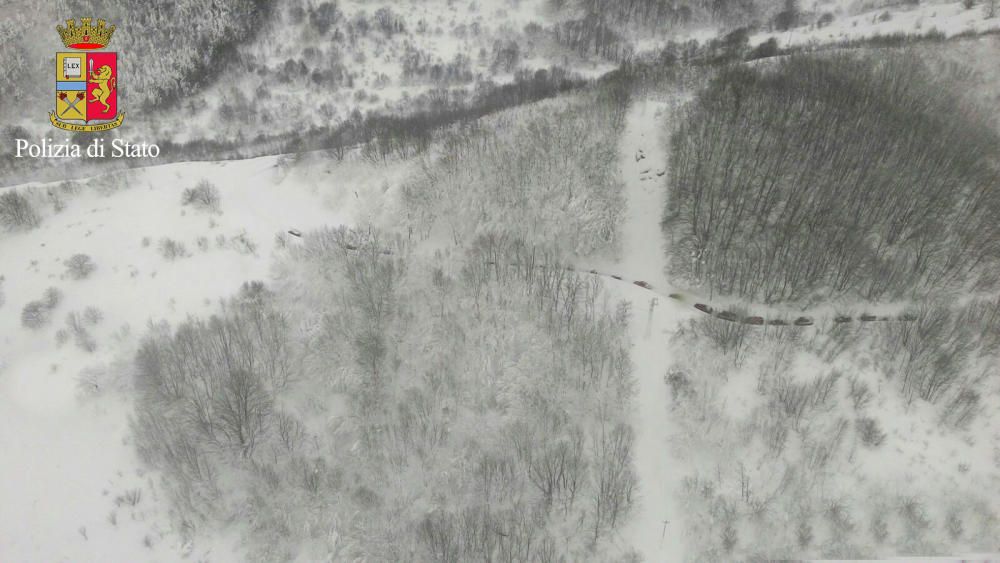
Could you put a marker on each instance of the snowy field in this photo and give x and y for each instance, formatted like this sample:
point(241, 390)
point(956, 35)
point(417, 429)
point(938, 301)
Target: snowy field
point(64, 409)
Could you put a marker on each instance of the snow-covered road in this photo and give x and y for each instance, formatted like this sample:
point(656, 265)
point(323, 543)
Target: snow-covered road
point(654, 530)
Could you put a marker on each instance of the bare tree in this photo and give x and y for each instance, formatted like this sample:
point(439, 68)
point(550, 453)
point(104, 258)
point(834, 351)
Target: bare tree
point(16, 211)
point(243, 409)
point(614, 478)
point(80, 266)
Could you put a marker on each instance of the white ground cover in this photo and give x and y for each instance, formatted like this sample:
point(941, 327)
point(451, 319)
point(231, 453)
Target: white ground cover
point(63, 416)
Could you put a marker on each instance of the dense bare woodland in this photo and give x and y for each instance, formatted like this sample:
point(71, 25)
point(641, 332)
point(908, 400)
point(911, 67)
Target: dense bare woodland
point(442, 453)
point(835, 175)
point(535, 280)
point(544, 173)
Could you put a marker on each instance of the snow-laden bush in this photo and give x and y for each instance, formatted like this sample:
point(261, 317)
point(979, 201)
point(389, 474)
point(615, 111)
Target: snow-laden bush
point(204, 196)
point(92, 315)
point(172, 249)
point(16, 211)
point(870, 432)
point(79, 266)
point(242, 243)
point(53, 297)
point(35, 315)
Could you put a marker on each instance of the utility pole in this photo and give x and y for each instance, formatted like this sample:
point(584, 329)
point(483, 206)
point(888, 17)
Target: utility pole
point(649, 321)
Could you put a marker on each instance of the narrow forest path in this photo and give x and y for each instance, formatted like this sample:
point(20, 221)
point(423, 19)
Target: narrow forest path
point(655, 527)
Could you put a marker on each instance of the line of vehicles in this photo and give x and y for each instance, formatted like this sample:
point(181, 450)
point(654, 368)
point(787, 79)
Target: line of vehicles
point(758, 320)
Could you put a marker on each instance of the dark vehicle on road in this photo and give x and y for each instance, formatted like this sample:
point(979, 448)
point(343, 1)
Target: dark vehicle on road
point(726, 315)
point(803, 321)
point(842, 319)
point(753, 320)
point(867, 317)
point(703, 308)
point(643, 284)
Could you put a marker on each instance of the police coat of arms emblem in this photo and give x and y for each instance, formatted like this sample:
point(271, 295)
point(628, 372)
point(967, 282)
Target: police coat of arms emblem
point(86, 79)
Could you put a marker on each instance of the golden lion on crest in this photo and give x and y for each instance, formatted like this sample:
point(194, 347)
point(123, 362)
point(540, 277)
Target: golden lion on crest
point(105, 85)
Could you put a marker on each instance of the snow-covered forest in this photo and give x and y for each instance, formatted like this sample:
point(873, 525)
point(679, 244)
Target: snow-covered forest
point(513, 280)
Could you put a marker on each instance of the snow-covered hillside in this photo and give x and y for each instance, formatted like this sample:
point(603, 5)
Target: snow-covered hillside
point(76, 492)
point(700, 422)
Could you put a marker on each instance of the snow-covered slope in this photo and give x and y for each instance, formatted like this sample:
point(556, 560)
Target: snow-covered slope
point(62, 418)
point(949, 18)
